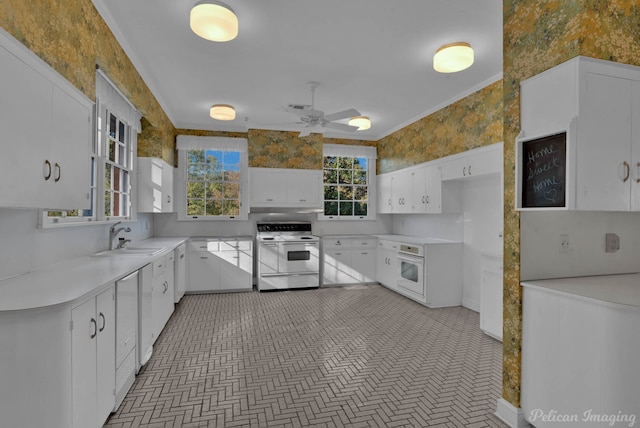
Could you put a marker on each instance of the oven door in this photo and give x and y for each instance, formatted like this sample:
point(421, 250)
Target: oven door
point(299, 257)
point(268, 256)
point(411, 277)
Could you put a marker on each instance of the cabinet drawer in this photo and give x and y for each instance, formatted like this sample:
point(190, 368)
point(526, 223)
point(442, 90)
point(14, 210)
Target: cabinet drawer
point(337, 243)
point(203, 245)
point(235, 245)
point(363, 243)
point(159, 266)
point(492, 264)
point(389, 245)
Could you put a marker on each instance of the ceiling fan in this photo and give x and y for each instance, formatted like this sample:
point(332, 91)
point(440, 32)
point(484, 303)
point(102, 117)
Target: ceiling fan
point(312, 118)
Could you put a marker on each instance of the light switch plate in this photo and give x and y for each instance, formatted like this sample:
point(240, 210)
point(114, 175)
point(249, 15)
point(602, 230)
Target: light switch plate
point(612, 243)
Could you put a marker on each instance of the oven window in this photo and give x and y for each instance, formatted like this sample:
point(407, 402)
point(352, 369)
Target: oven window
point(409, 271)
point(298, 255)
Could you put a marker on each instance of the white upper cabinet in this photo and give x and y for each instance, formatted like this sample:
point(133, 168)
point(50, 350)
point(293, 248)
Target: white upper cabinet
point(47, 128)
point(596, 105)
point(412, 190)
point(155, 185)
point(473, 163)
point(285, 188)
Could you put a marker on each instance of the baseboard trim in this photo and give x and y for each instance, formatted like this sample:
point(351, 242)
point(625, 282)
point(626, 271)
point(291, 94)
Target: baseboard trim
point(511, 415)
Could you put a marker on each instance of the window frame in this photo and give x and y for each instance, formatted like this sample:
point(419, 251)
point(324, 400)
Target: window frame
point(368, 152)
point(186, 143)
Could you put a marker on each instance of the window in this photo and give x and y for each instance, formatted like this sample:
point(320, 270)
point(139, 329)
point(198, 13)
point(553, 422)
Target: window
point(348, 182)
point(117, 123)
point(212, 178)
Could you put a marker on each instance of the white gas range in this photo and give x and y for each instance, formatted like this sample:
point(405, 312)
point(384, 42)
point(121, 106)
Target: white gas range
point(288, 256)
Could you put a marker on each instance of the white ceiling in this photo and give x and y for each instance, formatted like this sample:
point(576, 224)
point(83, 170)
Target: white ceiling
point(371, 55)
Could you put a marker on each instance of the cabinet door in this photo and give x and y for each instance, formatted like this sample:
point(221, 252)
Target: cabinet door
point(402, 191)
point(635, 148)
point(106, 363)
point(433, 183)
point(604, 145)
point(180, 273)
point(126, 315)
point(419, 194)
point(267, 186)
point(235, 270)
point(491, 304)
point(93, 356)
point(364, 262)
point(167, 187)
point(203, 268)
point(84, 368)
point(338, 269)
point(385, 202)
point(70, 153)
point(26, 125)
point(304, 188)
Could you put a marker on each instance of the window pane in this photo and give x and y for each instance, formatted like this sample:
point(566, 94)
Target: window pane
point(195, 156)
point(107, 176)
point(346, 208)
point(345, 163)
point(330, 176)
point(213, 207)
point(360, 208)
point(330, 162)
point(112, 126)
point(214, 191)
point(112, 150)
point(231, 158)
point(195, 206)
point(330, 208)
point(359, 177)
point(331, 192)
point(231, 208)
point(232, 174)
point(360, 193)
point(196, 172)
point(195, 190)
point(107, 203)
point(121, 133)
point(232, 191)
point(345, 176)
point(346, 192)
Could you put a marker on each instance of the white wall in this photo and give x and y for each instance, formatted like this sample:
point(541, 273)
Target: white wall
point(439, 226)
point(25, 246)
point(540, 256)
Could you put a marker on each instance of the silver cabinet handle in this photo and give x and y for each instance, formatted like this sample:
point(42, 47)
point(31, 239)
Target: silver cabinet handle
point(58, 172)
point(104, 322)
point(166, 286)
point(95, 328)
point(469, 169)
point(269, 199)
point(47, 174)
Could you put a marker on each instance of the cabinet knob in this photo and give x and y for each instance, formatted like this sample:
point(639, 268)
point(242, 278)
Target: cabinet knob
point(95, 328)
point(627, 171)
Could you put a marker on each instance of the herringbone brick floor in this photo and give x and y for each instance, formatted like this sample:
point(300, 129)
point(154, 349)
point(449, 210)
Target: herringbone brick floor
point(359, 356)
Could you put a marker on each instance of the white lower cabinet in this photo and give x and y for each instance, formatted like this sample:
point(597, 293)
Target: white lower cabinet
point(491, 296)
point(162, 299)
point(349, 260)
point(220, 265)
point(93, 359)
point(387, 269)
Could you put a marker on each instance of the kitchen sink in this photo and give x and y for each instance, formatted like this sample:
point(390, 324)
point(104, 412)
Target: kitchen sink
point(132, 251)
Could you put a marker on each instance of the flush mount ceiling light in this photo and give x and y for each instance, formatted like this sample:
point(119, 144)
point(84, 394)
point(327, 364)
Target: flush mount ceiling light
point(222, 112)
point(362, 122)
point(214, 20)
point(453, 57)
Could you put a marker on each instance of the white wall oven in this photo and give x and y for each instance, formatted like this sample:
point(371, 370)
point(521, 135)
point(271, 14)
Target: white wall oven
point(288, 256)
point(411, 265)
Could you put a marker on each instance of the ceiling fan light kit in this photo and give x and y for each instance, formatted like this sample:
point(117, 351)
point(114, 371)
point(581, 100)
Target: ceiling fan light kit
point(362, 122)
point(213, 20)
point(453, 57)
point(222, 112)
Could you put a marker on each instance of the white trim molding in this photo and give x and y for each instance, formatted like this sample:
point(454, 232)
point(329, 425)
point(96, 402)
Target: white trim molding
point(511, 415)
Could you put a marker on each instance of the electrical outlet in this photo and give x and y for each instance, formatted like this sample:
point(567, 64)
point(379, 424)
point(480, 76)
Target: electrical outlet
point(564, 243)
point(612, 243)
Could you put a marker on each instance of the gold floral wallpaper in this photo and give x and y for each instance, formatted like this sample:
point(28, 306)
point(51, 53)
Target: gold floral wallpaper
point(537, 36)
point(471, 122)
point(71, 36)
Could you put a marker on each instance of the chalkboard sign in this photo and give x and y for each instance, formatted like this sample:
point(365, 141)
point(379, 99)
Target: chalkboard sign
point(544, 170)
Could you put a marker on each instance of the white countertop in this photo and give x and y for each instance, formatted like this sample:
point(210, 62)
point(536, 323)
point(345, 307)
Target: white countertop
point(72, 279)
point(415, 240)
point(617, 289)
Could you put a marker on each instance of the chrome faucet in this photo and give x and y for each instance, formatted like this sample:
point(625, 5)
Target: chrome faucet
point(113, 232)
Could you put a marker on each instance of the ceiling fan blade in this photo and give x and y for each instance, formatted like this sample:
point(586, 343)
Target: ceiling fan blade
point(340, 126)
point(305, 132)
point(304, 112)
point(341, 115)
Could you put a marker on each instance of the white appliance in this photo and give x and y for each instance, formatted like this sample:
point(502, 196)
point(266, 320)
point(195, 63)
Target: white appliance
point(411, 264)
point(288, 256)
